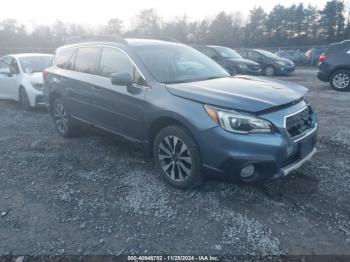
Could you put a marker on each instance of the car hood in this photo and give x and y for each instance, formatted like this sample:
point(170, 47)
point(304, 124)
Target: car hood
point(246, 93)
point(35, 77)
point(243, 61)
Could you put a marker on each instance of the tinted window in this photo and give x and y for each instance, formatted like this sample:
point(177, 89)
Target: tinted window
point(63, 56)
point(208, 51)
point(254, 55)
point(268, 54)
point(242, 53)
point(227, 52)
point(115, 61)
point(70, 63)
point(86, 59)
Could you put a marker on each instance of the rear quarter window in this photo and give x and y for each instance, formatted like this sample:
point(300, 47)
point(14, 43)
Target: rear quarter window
point(62, 57)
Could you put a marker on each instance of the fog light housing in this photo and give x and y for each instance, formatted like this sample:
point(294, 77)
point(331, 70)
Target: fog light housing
point(247, 171)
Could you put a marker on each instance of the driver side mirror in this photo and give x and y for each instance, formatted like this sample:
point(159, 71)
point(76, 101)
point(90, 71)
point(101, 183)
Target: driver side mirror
point(121, 79)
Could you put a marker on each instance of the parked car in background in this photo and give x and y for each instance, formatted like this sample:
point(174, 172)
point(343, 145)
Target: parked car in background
point(334, 66)
point(233, 62)
point(313, 55)
point(270, 63)
point(21, 78)
point(296, 56)
point(183, 108)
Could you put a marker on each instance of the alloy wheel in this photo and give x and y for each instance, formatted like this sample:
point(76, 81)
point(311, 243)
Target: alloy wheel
point(269, 71)
point(175, 158)
point(61, 119)
point(341, 80)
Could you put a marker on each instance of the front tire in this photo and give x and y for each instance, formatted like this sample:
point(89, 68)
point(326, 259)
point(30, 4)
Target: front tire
point(24, 99)
point(340, 80)
point(269, 71)
point(177, 158)
point(65, 124)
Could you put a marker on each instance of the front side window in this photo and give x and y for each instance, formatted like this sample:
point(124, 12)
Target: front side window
point(115, 61)
point(208, 52)
point(178, 64)
point(227, 52)
point(268, 54)
point(254, 55)
point(86, 60)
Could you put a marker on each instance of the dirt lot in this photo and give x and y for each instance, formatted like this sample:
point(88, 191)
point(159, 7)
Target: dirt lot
point(93, 195)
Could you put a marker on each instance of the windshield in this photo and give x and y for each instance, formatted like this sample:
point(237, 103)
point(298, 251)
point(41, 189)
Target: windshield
point(35, 63)
point(268, 54)
point(178, 64)
point(227, 52)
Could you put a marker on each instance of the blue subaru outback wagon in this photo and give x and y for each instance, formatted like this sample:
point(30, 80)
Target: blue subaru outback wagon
point(185, 110)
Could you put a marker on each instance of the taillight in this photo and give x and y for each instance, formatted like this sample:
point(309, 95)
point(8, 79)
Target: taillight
point(45, 75)
point(323, 58)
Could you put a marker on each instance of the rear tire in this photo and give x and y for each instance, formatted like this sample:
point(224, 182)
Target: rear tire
point(24, 99)
point(177, 158)
point(269, 71)
point(65, 124)
point(340, 80)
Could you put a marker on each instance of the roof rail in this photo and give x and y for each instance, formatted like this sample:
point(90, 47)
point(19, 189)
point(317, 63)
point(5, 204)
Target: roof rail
point(107, 38)
point(162, 38)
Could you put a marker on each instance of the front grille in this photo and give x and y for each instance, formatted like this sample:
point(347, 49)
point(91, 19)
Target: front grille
point(299, 123)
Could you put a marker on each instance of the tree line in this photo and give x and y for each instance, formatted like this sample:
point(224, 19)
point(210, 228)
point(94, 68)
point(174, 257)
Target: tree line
point(295, 25)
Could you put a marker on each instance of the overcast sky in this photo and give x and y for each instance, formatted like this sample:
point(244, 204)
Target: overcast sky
point(97, 12)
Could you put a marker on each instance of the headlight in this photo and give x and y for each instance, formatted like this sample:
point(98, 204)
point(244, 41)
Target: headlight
point(37, 86)
point(242, 66)
point(282, 63)
point(236, 122)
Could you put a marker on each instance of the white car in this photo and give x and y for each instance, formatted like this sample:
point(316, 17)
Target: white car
point(21, 78)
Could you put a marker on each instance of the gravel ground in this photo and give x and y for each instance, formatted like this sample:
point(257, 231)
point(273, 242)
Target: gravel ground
point(95, 195)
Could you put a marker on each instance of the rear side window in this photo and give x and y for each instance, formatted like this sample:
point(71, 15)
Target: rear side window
point(254, 55)
point(62, 57)
point(86, 60)
point(208, 51)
